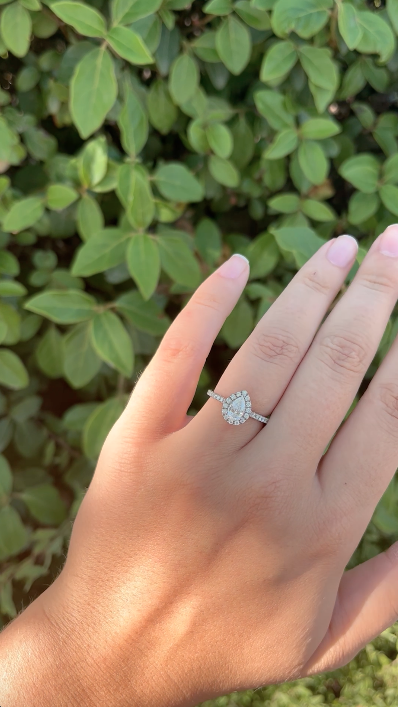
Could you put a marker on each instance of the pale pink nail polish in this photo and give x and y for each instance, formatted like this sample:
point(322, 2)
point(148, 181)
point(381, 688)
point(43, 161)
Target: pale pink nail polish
point(234, 267)
point(343, 251)
point(388, 242)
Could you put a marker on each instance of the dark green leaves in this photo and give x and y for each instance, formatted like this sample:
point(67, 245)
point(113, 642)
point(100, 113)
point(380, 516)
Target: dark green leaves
point(45, 504)
point(99, 425)
point(101, 252)
point(305, 17)
point(112, 343)
point(178, 260)
point(143, 262)
point(135, 193)
point(13, 534)
point(133, 124)
point(362, 171)
point(93, 91)
point(184, 79)
point(176, 183)
point(13, 373)
point(233, 45)
point(63, 307)
point(23, 214)
point(313, 162)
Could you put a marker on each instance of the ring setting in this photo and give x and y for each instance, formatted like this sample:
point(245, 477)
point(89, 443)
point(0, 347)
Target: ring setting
point(237, 408)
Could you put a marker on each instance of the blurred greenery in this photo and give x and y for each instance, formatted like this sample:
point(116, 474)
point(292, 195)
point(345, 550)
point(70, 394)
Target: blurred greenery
point(141, 143)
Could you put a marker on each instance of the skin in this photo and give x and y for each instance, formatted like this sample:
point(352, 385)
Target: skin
point(207, 558)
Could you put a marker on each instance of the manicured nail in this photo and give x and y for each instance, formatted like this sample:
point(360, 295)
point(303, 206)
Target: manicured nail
point(388, 242)
point(343, 251)
point(234, 267)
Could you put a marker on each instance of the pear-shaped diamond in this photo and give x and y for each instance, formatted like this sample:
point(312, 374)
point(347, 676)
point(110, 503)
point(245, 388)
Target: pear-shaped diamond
point(237, 409)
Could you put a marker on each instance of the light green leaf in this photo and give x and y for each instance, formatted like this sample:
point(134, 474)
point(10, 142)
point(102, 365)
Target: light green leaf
point(90, 219)
point(13, 534)
point(318, 66)
point(81, 363)
point(161, 109)
point(143, 262)
point(349, 26)
point(63, 306)
point(101, 252)
point(305, 17)
point(133, 124)
point(392, 11)
point(27, 78)
point(59, 196)
point(135, 193)
point(11, 288)
point(93, 91)
point(50, 353)
point(285, 203)
point(99, 424)
point(184, 79)
point(319, 129)
point(208, 240)
point(197, 137)
point(205, 47)
point(23, 214)
point(127, 11)
point(301, 240)
point(233, 43)
point(93, 162)
point(272, 105)
point(26, 409)
point(218, 7)
point(238, 326)
point(220, 140)
point(178, 261)
point(45, 504)
point(16, 28)
point(112, 342)
point(11, 318)
point(129, 46)
point(263, 255)
point(362, 206)
point(252, 16)
point(85, 19)
point(317, 210)
point(278, 62)
point(284, 144)
point(313, 162)
point(13, 373)
point(224, 172)
point(377, 37)
point(362, 171)
point(389, 196)
point(145, 316)
point(9, 264)
point(176, 183)
point(390, 170)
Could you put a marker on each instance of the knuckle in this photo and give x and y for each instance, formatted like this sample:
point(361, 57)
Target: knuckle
point(277, 347)
point(386, 396)
point(177, 348)
point(379, 281)
point(343, 354)
point(313, 280)
point(210, 301)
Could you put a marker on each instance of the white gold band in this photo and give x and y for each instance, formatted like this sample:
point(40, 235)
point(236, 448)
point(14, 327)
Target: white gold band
point(237, 408)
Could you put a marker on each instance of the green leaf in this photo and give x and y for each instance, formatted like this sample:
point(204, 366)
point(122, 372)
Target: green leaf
point(390, 170)
point(99, 424)
point(362, 206)
point(278, 62)
point(349, 26)
point(129, 46)
point(362, 171)
point(16, 28)
point(284, 144)
point(319, 67)
point(176, 183)
point(220, 140)
point(377, 37)
point(13, 373)
point(85, 19)
point(93, 91)
point(7, 606)
point(208, 241)
point(23, 214)
point(305, 17)
point(59, 196)
point(218, 7)
point(313, 162)
point(205, 47)
point(285, 203)
point(272, 105)
point(392, 11)
point(45, 504)
point(145, 316)
point(238, 326)
point(317, 210)
point(112, 342)
point(133, 124)
point(6, 480)
point(252, 16)
point(143, 262)
point(81, 363)
point(303, 241)
point(233, 43)
point(197, 137)
point(27, 79)
point(178, 261)
point(101, 252)
point(93, 162)
point(135, 193)
point(63, 306)
point(389, 196)
point(161, 109)
point(263, 255)
point(127, 11)
point(13, 534)
point(10, 288)
point(50, 353)
point(184, 79)
point(90, 219)
point(12, 319)
point(319, 129)
point(9, 264)
point(224, 172)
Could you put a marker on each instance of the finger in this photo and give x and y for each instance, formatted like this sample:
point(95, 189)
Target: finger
point(367, 604)
point(363, 457)
point(164, 392)
point(267, 361)
point(329, 377)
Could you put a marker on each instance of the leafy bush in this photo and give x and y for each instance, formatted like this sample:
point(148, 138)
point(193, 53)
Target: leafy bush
point(142, 142)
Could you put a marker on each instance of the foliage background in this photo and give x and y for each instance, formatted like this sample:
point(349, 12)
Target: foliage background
point(141, 143)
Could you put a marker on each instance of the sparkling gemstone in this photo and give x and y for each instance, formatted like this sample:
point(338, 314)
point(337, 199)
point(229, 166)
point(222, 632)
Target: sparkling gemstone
point(236, 410)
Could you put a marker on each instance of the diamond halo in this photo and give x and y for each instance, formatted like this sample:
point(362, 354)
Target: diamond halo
point(237, 408)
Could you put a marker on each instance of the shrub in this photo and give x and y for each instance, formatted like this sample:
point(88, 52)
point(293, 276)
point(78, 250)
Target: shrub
point(142, 142)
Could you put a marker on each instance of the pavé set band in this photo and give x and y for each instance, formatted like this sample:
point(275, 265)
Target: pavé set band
point(237, 409)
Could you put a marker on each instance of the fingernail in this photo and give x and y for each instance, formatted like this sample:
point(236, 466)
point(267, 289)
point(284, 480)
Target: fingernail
point(234, 267)
point(343, 251)
point(388, 242)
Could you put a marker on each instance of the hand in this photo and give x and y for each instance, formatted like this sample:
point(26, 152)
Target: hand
point(208, 558)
